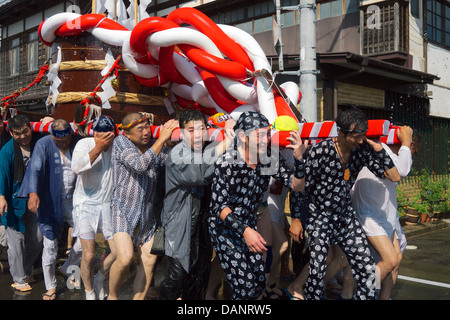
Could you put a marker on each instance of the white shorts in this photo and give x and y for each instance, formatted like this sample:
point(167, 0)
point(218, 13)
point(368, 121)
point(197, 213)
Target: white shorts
point(88, 233)
point(376, 227)
point(85, 227)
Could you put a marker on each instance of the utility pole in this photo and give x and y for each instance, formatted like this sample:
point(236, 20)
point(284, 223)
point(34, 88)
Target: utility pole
point(307, 72)
point(308, 63)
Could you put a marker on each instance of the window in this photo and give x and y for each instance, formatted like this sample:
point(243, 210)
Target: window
point(330, 9)
point(438, 21)
point(246, 26)
point(258, 17)
point(414, 8)
point(286, 3)
point(263, 8)
point(33, 51)
point(14, 57)
point(351, 6)
point(288, 18)
point(264, 24)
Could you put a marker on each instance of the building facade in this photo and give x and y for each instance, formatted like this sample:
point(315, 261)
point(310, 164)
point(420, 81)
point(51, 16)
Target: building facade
point(389, 58)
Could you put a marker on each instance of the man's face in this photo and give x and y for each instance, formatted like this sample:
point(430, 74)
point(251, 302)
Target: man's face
point(22, 136)
point(140, 134)
point(62, 142)
point(194, 133)
point(354, 139)
point(259, 140)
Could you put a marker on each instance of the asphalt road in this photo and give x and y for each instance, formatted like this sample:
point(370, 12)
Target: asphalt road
point(425, 268)
point(424, 273)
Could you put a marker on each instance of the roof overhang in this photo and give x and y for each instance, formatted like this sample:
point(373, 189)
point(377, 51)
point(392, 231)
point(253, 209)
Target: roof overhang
point(359, 69)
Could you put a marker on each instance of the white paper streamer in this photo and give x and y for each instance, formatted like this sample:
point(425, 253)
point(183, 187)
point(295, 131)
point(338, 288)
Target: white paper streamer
point(52, 76)
point(108, 90)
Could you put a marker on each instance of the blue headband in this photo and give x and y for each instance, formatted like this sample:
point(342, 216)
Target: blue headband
point(352, 131)
point(61, 133)
point(103, 124)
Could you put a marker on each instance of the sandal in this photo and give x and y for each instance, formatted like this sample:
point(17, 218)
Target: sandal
point(21, 287)
point(46, 296)
point(292, 297)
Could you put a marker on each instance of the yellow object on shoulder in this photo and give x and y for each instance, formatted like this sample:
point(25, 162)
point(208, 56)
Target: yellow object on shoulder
point(285, 123)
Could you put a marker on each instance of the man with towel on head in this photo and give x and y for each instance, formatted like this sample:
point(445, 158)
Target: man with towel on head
point(91, 162)
point(241, 180)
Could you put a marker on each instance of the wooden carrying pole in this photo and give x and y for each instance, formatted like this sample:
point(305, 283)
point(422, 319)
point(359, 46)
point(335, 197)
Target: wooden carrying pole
point(136, 12)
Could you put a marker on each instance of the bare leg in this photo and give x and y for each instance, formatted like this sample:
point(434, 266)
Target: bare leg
point(334, 263)
point(109, 260)
point(119, 268)
point(69, 240)
point(349, 282)
point(87, 263)
point(101, 275)
point(285, 270)
point(337, 262)
point(279, 247)
point(388, 253)
point(390, 280)
point(144, 275)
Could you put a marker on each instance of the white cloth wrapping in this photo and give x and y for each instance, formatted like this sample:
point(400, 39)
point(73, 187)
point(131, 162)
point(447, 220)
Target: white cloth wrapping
point(93, 189)
point(53, 77)
point(375, 200)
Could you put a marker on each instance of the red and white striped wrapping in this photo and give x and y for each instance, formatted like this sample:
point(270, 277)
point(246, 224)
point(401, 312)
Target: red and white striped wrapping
point(315, 131)
point(391, 138)
point(378, 128)
point(39, 127)
point(327, 129)
point(310, 131)
point(214, 134)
